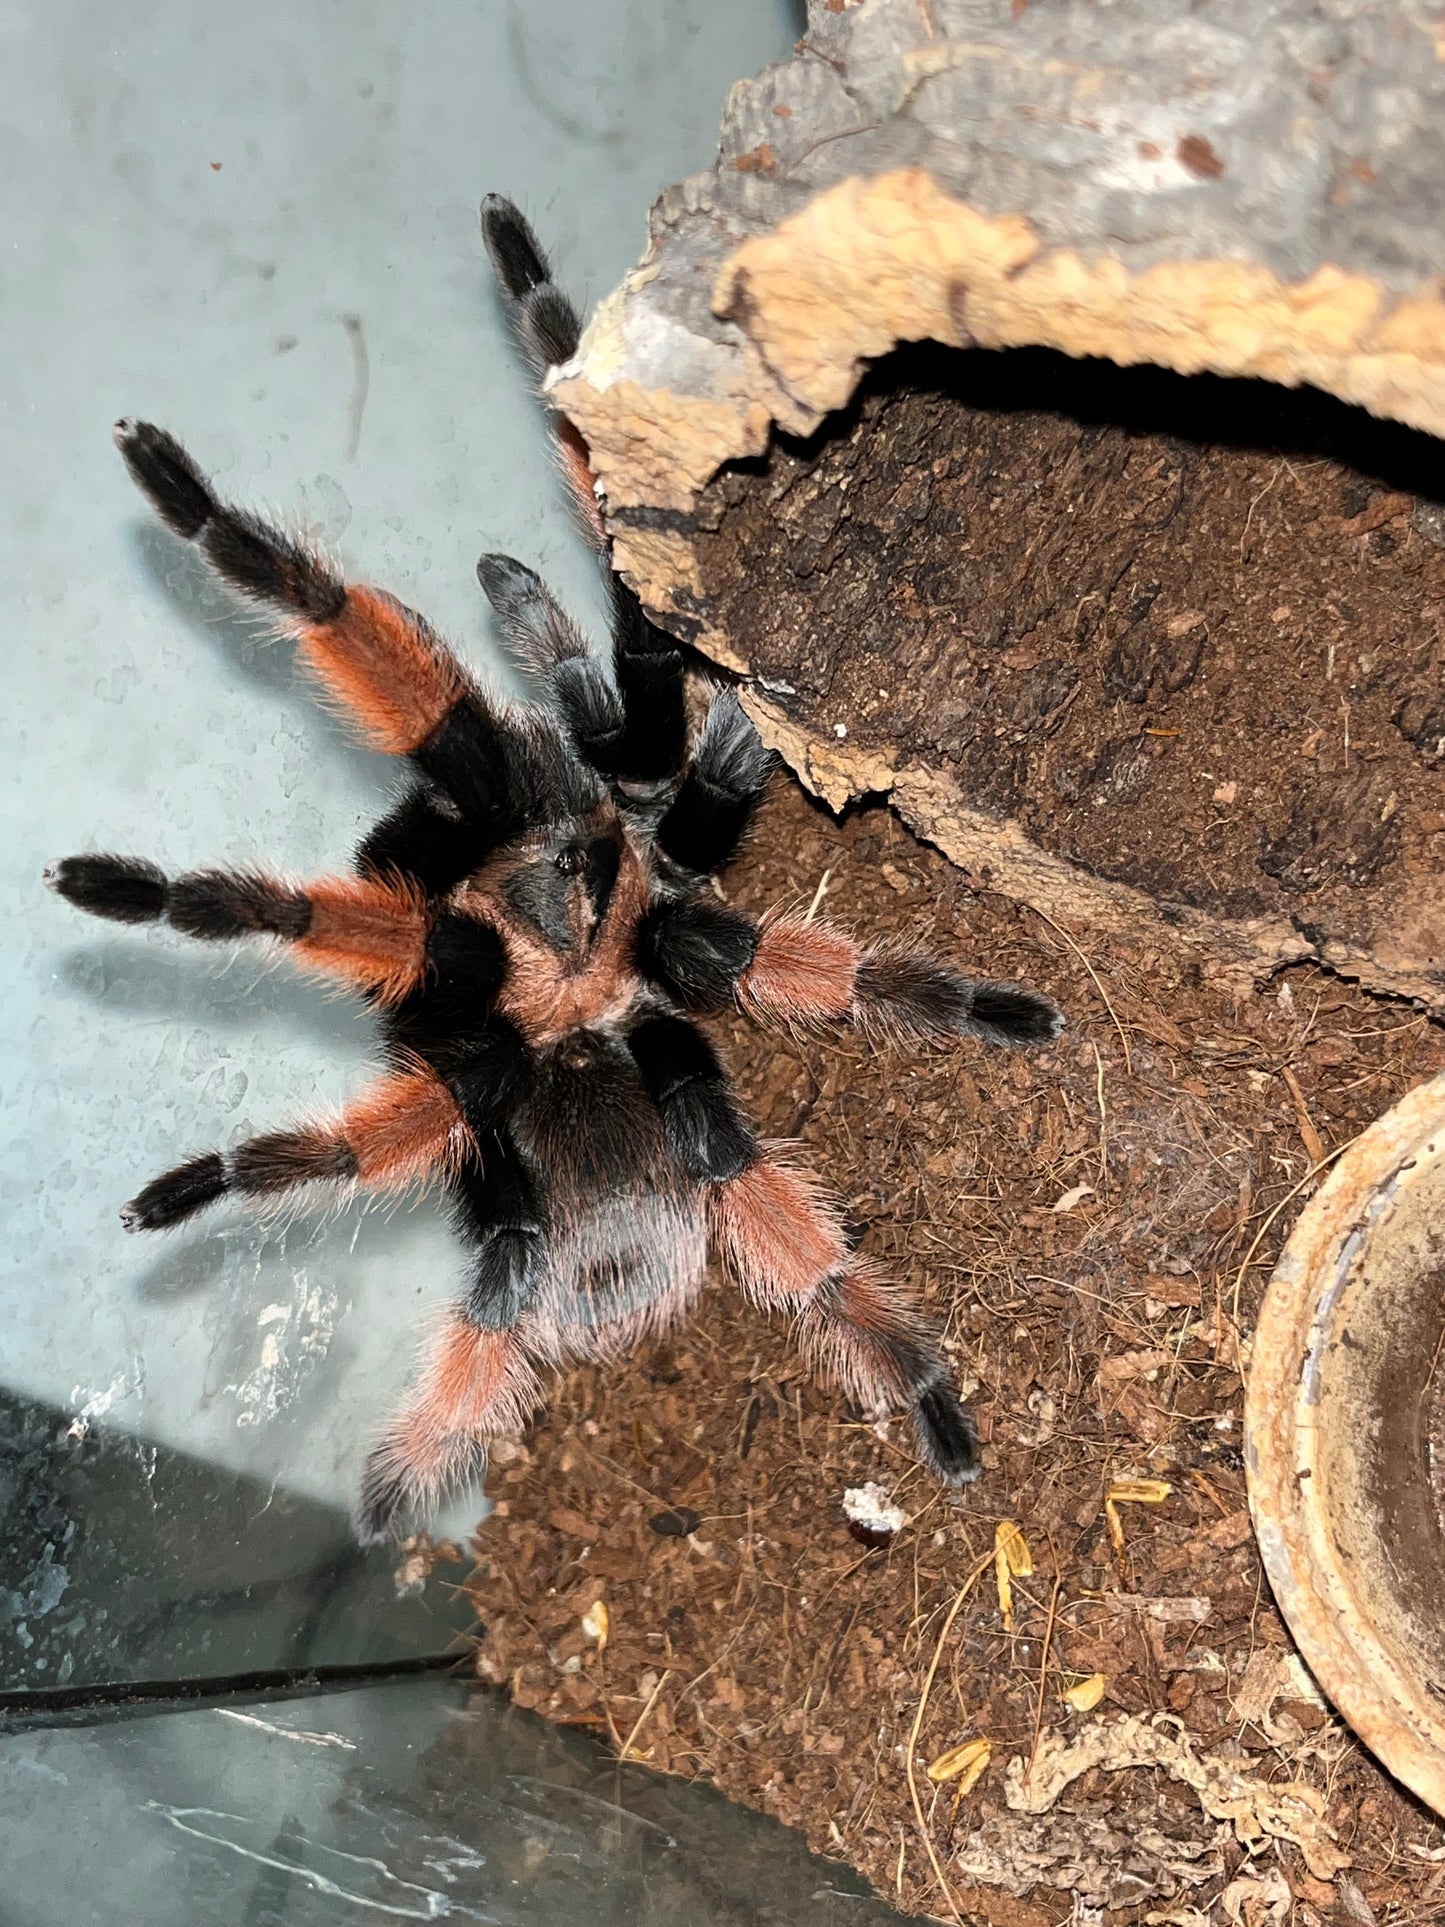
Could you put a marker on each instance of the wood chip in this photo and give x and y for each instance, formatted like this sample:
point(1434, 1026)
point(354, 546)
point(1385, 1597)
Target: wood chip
point(1384, 508)
point(562, 1519)
point(1235, 1530)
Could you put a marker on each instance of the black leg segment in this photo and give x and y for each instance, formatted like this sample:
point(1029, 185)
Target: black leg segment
point(714, 809)
point(254, 559)
point(498, 1214)
point(706, 1131)
point(696, 949)
point(425, 839)
point(648, 666)
point(546, 320)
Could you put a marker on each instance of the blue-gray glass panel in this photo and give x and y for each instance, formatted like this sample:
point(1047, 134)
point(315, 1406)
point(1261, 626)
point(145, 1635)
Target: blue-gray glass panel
point(257, 225)
point(414, 1801)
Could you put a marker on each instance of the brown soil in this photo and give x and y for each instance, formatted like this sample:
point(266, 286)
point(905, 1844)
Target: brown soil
point(1190, 634)
point(769, 1651)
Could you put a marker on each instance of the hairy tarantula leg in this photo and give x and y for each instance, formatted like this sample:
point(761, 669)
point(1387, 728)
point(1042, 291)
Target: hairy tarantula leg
point(368, 932)
point(377, 659)
point(374, 932)
point(549, 329)
point(797, 974)
point(546, 320)
point(475, 1384)
point(424, 839)
point(810, 973)
point(399, 1131)
point(380, 662)
point(785, 1245)
point(499, 1216)
point(714, 809)
point(706, 1131)
point(647, 662)
point(548, 645)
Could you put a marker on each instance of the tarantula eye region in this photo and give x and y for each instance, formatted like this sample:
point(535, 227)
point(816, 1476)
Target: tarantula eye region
point(572, 861)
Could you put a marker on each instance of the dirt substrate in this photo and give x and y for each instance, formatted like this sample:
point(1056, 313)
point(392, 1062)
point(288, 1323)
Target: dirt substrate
point(1188, 633)
point(1094, 1225)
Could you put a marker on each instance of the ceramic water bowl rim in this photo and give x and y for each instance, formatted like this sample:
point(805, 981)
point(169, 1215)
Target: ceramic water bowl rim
point(1391, 1711)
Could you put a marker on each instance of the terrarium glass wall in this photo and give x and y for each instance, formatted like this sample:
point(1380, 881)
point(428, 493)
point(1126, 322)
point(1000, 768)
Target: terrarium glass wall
point(258, 227)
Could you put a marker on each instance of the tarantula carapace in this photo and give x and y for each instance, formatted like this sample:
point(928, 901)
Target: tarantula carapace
point(535, 925)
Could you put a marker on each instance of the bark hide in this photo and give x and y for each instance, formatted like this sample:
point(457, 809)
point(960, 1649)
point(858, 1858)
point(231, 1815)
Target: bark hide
point(1143, 651)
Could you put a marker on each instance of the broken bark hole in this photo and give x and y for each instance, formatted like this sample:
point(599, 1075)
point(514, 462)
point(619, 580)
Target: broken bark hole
point(1153, 650)
point(1125, 643)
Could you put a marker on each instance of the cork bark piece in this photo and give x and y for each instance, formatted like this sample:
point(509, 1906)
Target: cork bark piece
point(1136, 649)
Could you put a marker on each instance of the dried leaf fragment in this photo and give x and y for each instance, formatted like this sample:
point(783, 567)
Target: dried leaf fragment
point(966, 1764)
point(1086, 1695)
point(1131, 1492)
point(597, 1623)
point(1011, 1559)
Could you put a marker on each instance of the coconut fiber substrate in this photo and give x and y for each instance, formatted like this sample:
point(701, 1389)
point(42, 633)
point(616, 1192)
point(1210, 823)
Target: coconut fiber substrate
point(1093, 1226)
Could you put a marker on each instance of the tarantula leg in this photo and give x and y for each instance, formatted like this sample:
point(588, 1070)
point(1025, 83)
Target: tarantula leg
point(647, 663)
point(375, 932)
point(372, 932)
point(549, 646)
point(545, 318)
point(476, 1383)
point(785, 1244)
point(402, 1130)
point(380, 662)
point(706, 1131)
point(810, 973)
point(795, 974)
point(549, 328)
point(426, 838)
point(714, 809)
point(498, 1213)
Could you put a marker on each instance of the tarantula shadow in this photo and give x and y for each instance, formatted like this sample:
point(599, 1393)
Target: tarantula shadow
point(534, 925)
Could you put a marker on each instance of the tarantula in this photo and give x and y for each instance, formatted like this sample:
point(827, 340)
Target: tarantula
point(534, 925)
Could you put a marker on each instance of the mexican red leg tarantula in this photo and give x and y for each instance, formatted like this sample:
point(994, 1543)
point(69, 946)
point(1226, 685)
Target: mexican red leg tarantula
point(534, 926)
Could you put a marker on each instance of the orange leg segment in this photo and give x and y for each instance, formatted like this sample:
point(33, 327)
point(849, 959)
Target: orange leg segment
point(857, 1330)
point(384, 667)
point(475, 1384)
point(369, 932)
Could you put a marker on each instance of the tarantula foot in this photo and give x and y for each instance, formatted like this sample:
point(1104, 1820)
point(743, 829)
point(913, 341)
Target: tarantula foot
point(1014, 1015)
point(516, 255)
point(381, 1513)
point(947, 1438)
point(163, 471)
point(176, 1195)
point(125, 889)
point(398, 1489)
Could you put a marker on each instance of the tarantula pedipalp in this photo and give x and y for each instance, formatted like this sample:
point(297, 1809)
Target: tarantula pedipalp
point(533, 923)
